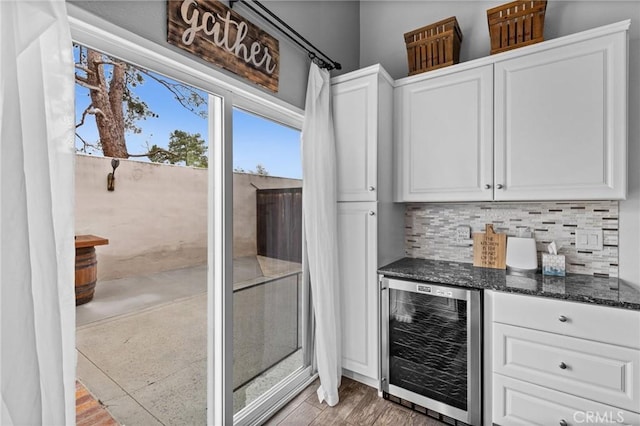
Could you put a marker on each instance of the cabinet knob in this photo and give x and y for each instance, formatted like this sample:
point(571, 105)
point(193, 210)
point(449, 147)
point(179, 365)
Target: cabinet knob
point(499, 186)
point(372, 188)
point(563, 422)
point(372, 213)
point(487, 186)
point(563, 366)
point(562, 318)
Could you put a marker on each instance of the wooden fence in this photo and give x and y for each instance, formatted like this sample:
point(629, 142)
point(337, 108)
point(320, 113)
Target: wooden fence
point(279, 223)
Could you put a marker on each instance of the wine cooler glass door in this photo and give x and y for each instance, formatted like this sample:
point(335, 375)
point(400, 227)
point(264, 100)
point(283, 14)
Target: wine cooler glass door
point(429, 356)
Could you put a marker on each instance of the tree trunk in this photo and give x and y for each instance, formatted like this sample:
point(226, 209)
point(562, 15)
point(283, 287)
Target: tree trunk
point(108, 99)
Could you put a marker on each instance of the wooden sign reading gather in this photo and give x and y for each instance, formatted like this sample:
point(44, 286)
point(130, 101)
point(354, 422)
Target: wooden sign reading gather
point(212, 31)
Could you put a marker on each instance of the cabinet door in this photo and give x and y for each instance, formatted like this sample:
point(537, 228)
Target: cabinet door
point(593, 370)
point(520, 403)
point(560, 122)
point(357, 245)
point(355, 106)
point(445, 135)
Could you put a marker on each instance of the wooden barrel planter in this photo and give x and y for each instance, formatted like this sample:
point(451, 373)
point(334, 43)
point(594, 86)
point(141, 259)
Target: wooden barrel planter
point(86, 266)
point(86, 274)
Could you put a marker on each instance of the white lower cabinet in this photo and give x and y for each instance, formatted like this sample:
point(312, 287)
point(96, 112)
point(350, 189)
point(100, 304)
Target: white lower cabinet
point(555, 362)
point(598, 371)
point(357, 240)
point(516, 402)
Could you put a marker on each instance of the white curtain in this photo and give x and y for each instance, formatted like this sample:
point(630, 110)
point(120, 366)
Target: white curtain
point(37, 302)
point(319, 197)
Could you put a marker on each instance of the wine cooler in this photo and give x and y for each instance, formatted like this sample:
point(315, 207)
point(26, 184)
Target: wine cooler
point(431, 347)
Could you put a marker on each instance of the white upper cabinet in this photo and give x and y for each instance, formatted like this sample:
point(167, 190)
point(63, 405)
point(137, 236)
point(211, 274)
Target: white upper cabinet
point(355, 115)
point(560, 122)
point(445, 137)
point(542, 122)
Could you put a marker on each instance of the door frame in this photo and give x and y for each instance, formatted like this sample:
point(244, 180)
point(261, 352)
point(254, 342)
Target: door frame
point(226, 92)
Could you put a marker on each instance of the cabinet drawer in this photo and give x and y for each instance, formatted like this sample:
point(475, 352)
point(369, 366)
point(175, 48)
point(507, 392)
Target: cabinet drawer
point(593, 370)
point(601, 323)
point(519, 403)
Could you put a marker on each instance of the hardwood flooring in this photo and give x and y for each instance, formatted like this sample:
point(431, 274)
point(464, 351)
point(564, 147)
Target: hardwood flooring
point(359, 406)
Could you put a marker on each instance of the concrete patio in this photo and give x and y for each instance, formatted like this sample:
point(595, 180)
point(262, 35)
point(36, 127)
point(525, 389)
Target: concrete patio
point(142, 347)
point(141, 342)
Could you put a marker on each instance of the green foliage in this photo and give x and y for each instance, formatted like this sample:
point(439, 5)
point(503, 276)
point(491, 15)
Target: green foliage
point(135, 109)
point(184, 148)
point(260, 170)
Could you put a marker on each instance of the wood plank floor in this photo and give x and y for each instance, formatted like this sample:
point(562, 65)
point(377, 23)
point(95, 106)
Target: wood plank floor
point(359, 405)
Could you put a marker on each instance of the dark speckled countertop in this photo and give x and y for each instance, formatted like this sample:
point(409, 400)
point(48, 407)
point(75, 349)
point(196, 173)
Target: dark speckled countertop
point(580, 288)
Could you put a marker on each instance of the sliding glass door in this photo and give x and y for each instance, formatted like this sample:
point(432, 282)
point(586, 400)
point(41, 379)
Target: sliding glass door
point(257, 300)
point(269, 309)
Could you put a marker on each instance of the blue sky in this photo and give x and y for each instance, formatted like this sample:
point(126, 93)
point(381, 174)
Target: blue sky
point(260, 141)
point(255, 139)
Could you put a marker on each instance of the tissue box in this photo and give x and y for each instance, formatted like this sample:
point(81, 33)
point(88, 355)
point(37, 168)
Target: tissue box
point(553, 264)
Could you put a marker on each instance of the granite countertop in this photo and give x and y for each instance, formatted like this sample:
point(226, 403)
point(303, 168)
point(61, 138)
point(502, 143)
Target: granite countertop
point(576, 287)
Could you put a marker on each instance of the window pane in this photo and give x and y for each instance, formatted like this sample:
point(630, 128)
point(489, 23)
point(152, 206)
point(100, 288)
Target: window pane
point(267, 290)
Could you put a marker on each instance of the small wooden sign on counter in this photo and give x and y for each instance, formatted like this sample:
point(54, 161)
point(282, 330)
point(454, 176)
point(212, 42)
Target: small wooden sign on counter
point(489, 249)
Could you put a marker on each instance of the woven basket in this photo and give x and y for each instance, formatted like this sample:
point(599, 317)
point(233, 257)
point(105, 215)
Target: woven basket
point(516, 24)
point(434, 46)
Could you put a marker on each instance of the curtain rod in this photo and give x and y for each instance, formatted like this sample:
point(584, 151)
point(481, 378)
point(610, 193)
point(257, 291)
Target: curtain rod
point(328, 64)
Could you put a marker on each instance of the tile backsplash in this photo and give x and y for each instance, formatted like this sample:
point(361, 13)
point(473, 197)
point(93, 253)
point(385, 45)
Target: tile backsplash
point(430, 230)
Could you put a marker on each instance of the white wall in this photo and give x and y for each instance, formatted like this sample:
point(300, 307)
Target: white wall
point(332, 26)
point(383, 23)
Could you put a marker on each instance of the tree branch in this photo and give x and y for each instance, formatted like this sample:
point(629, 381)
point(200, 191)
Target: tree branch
point(87, 85)
point(81, 78)
point(107, 63)
point(156, 150)
point(84, 115)
point(90, 110)
point(175, 90)
point(87, 144)
point(80, 66)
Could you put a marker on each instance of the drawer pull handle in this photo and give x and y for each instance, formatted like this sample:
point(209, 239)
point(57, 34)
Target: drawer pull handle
point(563, 422)
point(562, 318)
point(563, 366)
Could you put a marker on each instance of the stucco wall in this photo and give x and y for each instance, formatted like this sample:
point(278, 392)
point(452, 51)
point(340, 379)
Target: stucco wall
point(332, 26)
point(562, 18)
point(156, 219)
